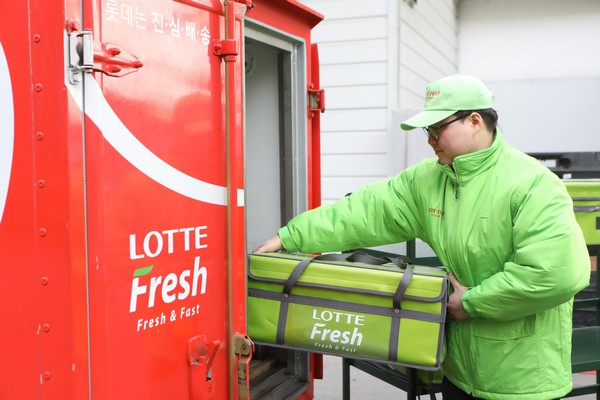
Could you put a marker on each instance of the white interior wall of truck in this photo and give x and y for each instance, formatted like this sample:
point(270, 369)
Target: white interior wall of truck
point(275, 148)
point(263, 208)
point(275, 174)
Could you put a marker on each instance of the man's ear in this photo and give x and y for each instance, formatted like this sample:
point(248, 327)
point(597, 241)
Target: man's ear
point(476, 121)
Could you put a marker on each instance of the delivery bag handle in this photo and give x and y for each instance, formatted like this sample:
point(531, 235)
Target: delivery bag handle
point(402, 262)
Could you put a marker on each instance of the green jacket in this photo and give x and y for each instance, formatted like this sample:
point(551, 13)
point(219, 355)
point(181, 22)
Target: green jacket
point(504, 225)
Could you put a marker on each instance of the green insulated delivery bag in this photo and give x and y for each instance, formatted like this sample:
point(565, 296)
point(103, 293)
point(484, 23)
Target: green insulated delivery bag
point(586, 204)
point(353, 305)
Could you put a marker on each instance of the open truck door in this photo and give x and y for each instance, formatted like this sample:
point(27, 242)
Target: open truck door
point(283, 102)
point(126, 180)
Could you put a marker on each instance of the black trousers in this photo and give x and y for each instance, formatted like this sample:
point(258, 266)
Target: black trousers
point(451, 392)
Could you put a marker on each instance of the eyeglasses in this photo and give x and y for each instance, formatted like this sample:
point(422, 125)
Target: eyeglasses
point(436, 130)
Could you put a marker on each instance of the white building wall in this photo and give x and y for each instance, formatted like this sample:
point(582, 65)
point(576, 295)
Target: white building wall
point(541, 59)
point(532, 39)
point(376, 58)
point(428, 51)
point(353, 52)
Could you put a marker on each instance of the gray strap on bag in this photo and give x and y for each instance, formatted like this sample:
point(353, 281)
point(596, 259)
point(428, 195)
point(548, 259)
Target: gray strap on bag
point(395, 325)
point(362, 257)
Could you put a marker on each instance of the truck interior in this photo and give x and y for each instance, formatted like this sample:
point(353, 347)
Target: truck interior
point(276, 175)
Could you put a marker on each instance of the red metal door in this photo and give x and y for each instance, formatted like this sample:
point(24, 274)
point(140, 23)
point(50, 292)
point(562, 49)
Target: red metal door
point(44, 338)
point(163, 175)
point(121, 202)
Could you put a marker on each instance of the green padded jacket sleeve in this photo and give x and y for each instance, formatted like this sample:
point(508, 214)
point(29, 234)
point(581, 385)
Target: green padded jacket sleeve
point(380, 213)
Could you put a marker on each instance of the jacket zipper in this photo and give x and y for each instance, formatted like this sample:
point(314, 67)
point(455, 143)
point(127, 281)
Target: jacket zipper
point(457, 188)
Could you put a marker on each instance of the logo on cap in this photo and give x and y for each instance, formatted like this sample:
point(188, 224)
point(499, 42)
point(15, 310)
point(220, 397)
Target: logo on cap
point(432, 94)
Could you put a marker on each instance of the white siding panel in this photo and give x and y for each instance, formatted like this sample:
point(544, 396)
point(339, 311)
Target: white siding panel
point(354, 142)
point(427, 51)
point(415, 83)
point(352, 97)
point(354, 47)
point(425, 62)
point(411, 99)
point(353, 52)
point(342, 9)
point(354, 120)
point(354, 74)
point(353, 29)
point(437, 54)
point(365, 165)
point(428, 48)
point(437, 20)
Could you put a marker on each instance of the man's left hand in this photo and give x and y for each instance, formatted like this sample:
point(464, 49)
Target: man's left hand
point(455, 306)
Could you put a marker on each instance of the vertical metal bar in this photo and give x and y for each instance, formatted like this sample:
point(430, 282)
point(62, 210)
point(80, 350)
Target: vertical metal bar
point(411, 249)
point(232, 184)
point(84, 18)
point(315, 135)
point(345, 379)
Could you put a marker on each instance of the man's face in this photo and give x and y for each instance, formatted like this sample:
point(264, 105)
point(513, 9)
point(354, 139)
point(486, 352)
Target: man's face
point(454, 139)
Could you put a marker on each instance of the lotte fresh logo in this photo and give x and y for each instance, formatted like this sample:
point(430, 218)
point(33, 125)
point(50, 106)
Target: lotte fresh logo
point(170, 287)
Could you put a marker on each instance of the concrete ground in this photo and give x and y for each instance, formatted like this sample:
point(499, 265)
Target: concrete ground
point(365, 387)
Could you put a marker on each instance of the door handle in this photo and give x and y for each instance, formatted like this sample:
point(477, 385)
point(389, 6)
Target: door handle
point(200, 356)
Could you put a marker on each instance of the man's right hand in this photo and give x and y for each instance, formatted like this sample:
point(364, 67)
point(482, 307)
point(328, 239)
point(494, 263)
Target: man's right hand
point(271, 245)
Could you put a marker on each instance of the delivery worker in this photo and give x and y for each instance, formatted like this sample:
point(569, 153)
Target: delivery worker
point(503, 226)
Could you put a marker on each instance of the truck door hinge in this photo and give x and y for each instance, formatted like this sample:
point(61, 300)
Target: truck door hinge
point(248, 3)
point(86, 56)
point(226, 48)
point(243, 347)
point(80, 55)
point(316, 100)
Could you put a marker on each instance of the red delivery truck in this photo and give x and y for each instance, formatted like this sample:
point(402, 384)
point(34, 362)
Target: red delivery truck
point(146, 147)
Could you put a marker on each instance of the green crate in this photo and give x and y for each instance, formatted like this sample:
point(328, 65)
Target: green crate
point(586, 204)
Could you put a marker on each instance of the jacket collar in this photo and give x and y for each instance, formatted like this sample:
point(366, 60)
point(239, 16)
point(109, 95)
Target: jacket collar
point(469, 165)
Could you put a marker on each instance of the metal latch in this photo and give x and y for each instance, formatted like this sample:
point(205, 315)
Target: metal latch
point(316, 99)
point(80, 54)
point(243, 347)
point(201, 355)
point(113, 60)
point(226, 48)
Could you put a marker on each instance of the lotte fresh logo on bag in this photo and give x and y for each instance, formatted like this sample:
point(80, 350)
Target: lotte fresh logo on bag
point(327, 337)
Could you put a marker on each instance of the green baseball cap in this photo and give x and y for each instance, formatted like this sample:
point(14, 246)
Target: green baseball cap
point(448, 95)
